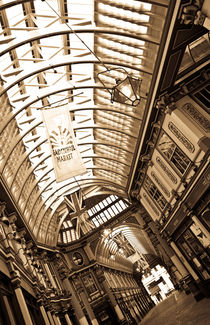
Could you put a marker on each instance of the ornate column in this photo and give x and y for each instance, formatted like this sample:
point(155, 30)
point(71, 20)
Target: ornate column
point(63, 270)
point(85, 301)
point(50, 276)
point(75, 303)
point(20, 297)
point(50, 318)
point(187, 265)
point(44, 315)
point(9, 311)
point(169, 251)
point(43, 311)
point(137, 305)
point(68, 319)
point(107, 289)
point(56, 319)
point(130, 304)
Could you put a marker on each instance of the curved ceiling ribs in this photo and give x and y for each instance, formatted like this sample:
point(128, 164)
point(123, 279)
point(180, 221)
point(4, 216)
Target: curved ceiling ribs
point(64, 30)
point(68, 60)
point(42, 63)
point(121, 245)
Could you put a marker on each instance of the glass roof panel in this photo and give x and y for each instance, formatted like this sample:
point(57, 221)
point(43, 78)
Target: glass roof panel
point(51, 53)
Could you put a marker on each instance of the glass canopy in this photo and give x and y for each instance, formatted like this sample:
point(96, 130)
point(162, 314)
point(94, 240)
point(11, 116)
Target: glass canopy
point(51, 53)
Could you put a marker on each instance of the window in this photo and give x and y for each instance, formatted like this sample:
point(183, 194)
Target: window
point(205, 217)
point(118, 206)
point(202, 97)
point(173, 153)
point(96, 223)
point(195, 253)
point(89, 284)
point(195, 51)
point(155, 193)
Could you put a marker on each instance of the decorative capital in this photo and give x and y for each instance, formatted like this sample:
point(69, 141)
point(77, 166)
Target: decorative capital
point(15, 278)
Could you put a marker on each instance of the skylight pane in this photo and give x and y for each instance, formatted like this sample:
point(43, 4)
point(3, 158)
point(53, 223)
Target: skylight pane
point(109, 200)
point(97, 207)
point(114, 209)
point(118, 206)
point(65, 224)
point(68, 236)
point(107, 214)
point(122, 204)
point(101, 205)
point(103, 217)
point(113, 198)
point(69, 223)
point(105, 202)
point(96, 223)
point(64, 238)
point(73, 234)
point(111, 212)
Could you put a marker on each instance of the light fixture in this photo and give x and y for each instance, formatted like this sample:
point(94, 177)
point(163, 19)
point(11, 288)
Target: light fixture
point(127, 90)
point(106, 232)
point(121, 251)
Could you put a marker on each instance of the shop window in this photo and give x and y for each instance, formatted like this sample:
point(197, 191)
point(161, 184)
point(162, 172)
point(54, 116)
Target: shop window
point(90, 285)
point(205, 217)
point(194, 244)
point(155, 193)
point(196, 254)
point(175, 156)
point(200, 235)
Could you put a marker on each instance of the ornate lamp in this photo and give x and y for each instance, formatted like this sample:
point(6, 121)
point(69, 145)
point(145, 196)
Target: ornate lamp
point(127, 89)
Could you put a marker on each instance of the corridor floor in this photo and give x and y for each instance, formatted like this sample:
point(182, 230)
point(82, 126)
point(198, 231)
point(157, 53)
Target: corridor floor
point(179, 309)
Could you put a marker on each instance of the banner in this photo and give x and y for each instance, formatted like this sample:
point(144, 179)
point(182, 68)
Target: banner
point(67, 161)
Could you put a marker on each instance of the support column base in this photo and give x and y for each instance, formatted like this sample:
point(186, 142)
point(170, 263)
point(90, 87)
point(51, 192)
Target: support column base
point(204, 290)
point(197, 290)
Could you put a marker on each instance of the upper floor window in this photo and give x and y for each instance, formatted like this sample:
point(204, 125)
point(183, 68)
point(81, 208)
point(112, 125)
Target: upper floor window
point(202, 97)
point(173, 153)
point(195, 51)
point(155, 193)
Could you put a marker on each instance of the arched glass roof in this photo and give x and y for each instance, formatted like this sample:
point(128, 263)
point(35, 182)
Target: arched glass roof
point(51, 53)
point(82, 221)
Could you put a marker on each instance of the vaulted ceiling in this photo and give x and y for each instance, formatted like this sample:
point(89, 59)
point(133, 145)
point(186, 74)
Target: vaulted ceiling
point(51, 54)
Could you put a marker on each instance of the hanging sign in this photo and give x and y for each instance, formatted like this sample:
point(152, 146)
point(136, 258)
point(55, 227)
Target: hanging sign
point(67, 161)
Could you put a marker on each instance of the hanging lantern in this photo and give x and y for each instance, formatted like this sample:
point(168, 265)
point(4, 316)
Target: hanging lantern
point(127, 89)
